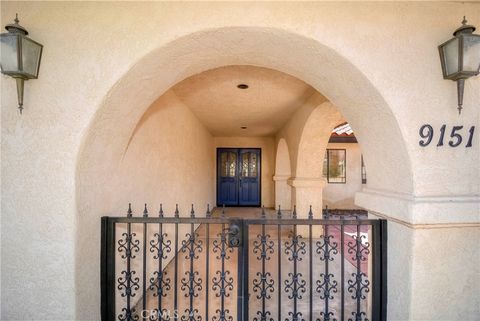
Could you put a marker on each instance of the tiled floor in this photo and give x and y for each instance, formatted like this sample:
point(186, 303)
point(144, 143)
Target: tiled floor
point(273, 275)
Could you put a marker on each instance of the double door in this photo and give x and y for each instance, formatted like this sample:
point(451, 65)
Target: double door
point(238, 176)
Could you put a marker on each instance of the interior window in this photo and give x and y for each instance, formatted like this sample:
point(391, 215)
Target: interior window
point(335, 166)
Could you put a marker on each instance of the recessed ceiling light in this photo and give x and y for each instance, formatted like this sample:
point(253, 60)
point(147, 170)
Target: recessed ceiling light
point(242, 86)
point(243, 127)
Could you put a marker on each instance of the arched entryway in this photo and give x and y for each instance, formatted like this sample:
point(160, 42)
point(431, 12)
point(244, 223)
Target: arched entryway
point(108, 136)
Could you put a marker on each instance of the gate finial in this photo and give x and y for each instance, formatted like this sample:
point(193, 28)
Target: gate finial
point(310, 213)
point(327, 214)
point(129, 211)
point(263, 212)
point(279, 213)
point(176, 211)
point(145, 211)
point(208, 211)
point(160, 213)
point(192, 212)
point(294, 214)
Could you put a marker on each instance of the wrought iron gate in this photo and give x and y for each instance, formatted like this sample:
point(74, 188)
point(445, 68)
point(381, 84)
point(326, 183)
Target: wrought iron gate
point(274, 267)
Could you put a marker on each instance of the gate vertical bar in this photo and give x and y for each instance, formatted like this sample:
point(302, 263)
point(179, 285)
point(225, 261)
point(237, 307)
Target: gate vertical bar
point(264, 250)
point(108, 269)
point(358, 283)
point(192, 256)
point(223, 276)
point(295, 272)
point(379, 277)
point(279, 286)
point(376, 271)
point(207, 261)
point(160, 268)
point(326, 257)
point(242, 288)
point(175, 299)
point(342, 271)
point(144, 279)
point(310, 254)
point(384, 243)
point(128, 275)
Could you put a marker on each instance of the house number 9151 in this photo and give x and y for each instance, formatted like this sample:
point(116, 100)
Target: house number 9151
point(426, 133)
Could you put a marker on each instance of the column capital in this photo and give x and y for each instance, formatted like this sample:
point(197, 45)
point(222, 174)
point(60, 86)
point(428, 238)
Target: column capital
point(281, 177)
point(308, 182)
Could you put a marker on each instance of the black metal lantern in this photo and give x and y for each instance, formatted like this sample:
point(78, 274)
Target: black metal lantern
point(460, 57)
point(20, 56)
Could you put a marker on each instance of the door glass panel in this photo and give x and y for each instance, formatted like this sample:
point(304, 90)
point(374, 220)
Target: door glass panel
point(245, 161)
point(228, 163)
point(224, 164)
point(253, 165)
point(232, 158)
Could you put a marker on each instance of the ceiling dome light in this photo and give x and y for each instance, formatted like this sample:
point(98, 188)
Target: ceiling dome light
point(242, 86)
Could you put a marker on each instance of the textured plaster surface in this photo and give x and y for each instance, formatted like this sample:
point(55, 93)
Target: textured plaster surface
point(271, 98)
point(105, 63)
point(446, 273)
point(267, 145)
point(156, 167)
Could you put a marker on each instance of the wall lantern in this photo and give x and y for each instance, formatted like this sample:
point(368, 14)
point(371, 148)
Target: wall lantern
point(460, 57)
point(20, 56)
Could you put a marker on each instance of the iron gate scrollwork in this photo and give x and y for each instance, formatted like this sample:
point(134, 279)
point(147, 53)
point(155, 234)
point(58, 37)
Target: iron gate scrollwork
point(216, 268)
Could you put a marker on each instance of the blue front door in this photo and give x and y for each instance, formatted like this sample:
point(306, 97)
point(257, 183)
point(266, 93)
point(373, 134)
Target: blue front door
point(238, 176)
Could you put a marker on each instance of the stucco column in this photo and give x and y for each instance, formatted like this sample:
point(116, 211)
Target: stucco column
point(283, 192)
point(307, 191)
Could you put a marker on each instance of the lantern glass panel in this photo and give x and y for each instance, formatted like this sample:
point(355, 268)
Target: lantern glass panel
point(450, 56)
point(9, 53)
point(31, 52)
point(471, 53)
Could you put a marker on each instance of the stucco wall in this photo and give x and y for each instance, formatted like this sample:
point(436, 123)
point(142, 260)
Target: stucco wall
point(267, 144)
point(292, 131)
point(156, 167)
point(160, 168)
point(343, 195)
point(105, 63)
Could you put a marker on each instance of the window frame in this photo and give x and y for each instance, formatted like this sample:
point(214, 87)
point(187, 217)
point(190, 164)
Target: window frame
point(327, 154)
point(363, 171)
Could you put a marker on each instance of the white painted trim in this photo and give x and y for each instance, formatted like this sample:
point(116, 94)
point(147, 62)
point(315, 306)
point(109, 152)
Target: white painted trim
point(454, 209)
point(423, 226)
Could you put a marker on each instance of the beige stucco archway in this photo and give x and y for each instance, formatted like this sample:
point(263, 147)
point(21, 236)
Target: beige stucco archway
point(305, 58)
point(314, 140)
point(308, 183)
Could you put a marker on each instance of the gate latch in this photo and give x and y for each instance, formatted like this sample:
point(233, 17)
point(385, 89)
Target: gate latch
point(234, 232)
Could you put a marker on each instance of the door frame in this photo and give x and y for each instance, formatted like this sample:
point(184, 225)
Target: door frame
point(259, 149)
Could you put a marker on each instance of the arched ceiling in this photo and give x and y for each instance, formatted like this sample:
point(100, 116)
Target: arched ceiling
point(264, 107)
